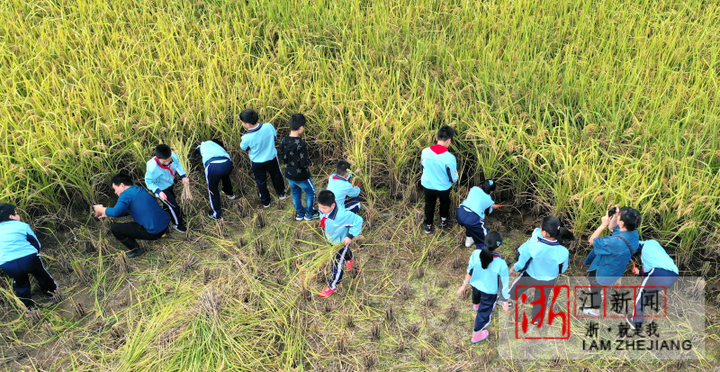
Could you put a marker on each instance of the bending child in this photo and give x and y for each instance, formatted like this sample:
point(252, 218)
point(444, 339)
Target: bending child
point(339, 184)
point(471, 213)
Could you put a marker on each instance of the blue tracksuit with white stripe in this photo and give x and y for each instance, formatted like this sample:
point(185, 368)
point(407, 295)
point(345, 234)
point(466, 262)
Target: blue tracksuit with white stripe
point(339, 224)
point(342, 188)
point(159, 178)
point(471, 215)
point(260, 144)
point(218, 166)
point(20, 256)
point(542, 261)
point(486, 284)
point(660, 274)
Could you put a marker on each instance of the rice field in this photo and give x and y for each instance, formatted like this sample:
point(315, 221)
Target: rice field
point(569, 105)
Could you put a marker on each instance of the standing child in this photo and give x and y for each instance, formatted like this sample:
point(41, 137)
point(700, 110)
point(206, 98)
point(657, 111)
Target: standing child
point(218, 166)
point(485, 270)
point(339, 184)
point(260, 142)
point(471, 213)
point(295, 156)
point(341, 226)
point(160, 180)
point(20, 256)
point(439, 173)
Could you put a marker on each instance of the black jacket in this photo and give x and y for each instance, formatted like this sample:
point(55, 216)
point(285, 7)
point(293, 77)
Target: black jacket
point(294, 154)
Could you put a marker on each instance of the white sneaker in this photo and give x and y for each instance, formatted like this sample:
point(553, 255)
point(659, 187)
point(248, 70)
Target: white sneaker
point(591, 312)
point(231, 197)
point(469, 241)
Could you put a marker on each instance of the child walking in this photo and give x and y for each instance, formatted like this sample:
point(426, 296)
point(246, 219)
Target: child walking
point(341, 226)
point(259, 141)
point(295, 156)
point(339, 184)
point(439, 173)
point(160, 180)
point(485, 270)
point(218, 166)
point(471, 213)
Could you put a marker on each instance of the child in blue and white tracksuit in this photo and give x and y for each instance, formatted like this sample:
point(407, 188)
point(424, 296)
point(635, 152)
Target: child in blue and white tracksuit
point(218, 166)
point(20, 256)
point(160, 175)
point(439, 173)
point(339, 184)
point(259, 141)
point(540, 262)
point(341, 226)
point(471, 213)
point(658, 270)
point(485, 270)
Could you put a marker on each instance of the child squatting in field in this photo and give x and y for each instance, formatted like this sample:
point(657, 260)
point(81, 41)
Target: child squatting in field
point(20, 256)
point(471, 213)
point(341, 226)
point(339, 183)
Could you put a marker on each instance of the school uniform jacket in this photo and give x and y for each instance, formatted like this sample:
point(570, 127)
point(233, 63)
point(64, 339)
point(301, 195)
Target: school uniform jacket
point(211, 151)
point(159, 177)
point(486, 280)
point(478, 201)
point(142, 207)
point(610, 255)
point(260, 142)
point(653, 256)
point(342, 188)
point(439, 168)
point(542, 259)
point(341, 223)
point(17, 240)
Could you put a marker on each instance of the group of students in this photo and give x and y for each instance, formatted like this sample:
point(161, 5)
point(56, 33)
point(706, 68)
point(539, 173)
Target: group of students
point(539, 261)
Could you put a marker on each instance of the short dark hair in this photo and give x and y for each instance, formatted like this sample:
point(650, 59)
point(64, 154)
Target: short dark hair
point(342, 166)
point(297, 121)
point(163, 151)
point(121, 178)
point(445, 133)
point(249, 116)
point(631, 217)
point(326, 198)
point(7, 210)
point(218, 142)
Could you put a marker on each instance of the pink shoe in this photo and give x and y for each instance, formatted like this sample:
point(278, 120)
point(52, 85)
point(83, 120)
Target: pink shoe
point(349, 264)
point(327, 292)
point(476, 307)
point(479, 336)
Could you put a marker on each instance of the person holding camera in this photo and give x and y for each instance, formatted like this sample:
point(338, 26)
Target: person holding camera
point(611, 254)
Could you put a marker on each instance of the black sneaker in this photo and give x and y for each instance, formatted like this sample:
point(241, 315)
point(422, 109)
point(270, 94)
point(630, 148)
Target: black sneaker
point(211, 214)
point(231, 197)
point(443, 224)
point(266, 206)
point(181, 228)
point(137, 252)
point(428, 228)
point(283, 196)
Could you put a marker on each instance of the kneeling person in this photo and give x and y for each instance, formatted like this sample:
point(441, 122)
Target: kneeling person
point(341, 226)
point(151, 221)
point(20, 256)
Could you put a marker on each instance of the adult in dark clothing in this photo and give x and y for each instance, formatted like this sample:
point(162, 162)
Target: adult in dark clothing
point(151, 221)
